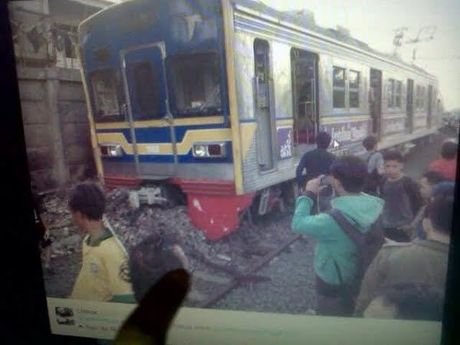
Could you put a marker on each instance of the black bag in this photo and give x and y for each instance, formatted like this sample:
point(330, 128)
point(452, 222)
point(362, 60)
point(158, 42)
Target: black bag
point(368, 244)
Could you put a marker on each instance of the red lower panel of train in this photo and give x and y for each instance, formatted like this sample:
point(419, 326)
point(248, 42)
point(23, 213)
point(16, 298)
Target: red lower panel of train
point(213, 206)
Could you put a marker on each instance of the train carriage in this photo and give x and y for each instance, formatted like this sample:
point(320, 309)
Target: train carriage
point(221, 99)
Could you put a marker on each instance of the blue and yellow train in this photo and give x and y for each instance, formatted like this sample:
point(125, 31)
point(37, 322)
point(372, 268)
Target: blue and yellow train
point(222, 97)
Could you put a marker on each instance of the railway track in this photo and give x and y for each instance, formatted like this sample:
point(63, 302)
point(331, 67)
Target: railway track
point(208, 288)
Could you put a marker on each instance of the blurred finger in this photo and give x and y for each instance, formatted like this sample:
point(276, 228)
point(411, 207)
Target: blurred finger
point(150, 321)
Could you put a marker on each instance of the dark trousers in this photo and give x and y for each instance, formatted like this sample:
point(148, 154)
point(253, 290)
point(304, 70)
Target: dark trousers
point(396, 235)
point(334, 300)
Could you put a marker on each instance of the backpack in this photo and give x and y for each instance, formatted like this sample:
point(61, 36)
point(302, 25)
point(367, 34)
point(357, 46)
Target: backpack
point(368, 244)
point(374, 180)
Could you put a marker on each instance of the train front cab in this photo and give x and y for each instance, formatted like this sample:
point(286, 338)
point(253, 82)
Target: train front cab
point(161, 105)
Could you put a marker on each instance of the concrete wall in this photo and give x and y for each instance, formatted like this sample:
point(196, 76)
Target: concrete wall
point(56, 125)
point(52, 98)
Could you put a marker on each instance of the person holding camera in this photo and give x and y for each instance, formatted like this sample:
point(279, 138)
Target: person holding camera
point(337, 258)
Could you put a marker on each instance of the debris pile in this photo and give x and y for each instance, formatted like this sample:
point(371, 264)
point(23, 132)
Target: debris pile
point(235, 250)
point(66, 239)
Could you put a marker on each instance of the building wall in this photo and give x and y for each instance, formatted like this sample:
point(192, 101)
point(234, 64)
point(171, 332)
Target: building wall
point(56, 126)
point(52, 98)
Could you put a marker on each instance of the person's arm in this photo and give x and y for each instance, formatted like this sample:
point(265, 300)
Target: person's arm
point(118, 277)
point(419, 217)
point(415, 196)
point(320, 226)
point(372, 281)
point(411, 228)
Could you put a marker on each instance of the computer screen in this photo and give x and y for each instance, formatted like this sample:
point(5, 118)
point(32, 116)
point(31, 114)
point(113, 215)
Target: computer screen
point(297, 159)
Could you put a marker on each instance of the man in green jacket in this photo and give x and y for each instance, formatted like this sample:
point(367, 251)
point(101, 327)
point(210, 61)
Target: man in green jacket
point(335, 260)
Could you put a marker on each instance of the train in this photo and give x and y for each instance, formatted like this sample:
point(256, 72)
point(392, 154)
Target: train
point(217, 100)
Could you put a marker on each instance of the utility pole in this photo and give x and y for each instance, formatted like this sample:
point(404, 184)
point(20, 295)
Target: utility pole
point(397, 40)
point(425, 34)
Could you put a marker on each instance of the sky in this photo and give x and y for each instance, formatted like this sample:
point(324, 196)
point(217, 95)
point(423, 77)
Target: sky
point(374, 22)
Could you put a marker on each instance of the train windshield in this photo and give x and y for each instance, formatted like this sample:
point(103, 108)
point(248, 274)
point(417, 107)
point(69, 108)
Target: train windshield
point(144, 59)
point(196, 84)
point(107, 94)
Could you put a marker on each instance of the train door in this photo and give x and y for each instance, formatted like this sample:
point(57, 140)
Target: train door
point(146, 99)
point(410, 106)
point(304, 69)
point(430, 106)
point(375, 101)
point(263, 108)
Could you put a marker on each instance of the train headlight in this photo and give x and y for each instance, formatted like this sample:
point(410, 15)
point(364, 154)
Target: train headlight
point(209, 150)
point(111, 150)
point(200, 151)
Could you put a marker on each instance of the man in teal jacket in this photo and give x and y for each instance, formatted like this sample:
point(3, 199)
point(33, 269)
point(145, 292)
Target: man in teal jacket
point(335, 259)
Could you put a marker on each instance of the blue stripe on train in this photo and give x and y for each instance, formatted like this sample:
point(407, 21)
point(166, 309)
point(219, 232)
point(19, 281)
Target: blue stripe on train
point(156, 135)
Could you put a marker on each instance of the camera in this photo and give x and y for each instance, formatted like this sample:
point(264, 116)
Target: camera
point(324, 180)
point(325, 186)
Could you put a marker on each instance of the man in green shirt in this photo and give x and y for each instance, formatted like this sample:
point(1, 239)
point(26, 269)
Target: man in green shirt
point(336, 255)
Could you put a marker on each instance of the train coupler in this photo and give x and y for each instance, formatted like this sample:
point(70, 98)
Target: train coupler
point(269, 198)
point(147, 196)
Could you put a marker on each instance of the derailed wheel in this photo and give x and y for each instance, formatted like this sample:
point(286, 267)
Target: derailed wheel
point(173, 195)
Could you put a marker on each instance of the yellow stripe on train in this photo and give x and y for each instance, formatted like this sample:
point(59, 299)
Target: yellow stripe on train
point(247, 131)
point(208, 120)
point(204, 135)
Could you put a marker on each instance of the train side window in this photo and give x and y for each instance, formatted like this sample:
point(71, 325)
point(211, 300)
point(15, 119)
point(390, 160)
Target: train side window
point(262, 74)
point(422, 98)
point(398, 94)
point(394, 93)
point(391, 96)
point(354, 82)
point(338, 84)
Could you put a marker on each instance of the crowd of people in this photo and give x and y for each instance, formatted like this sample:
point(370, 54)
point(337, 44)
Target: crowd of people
point(382, 239)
